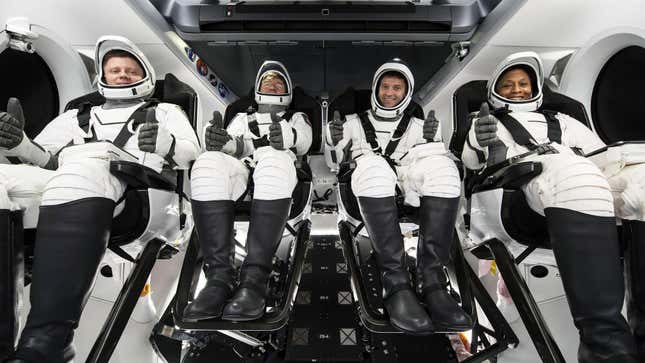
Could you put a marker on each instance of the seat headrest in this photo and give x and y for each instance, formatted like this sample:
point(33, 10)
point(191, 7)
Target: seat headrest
point(300, 102)
point(179, 93)
point(357, 101)
point(169, 90)
point(469, 97)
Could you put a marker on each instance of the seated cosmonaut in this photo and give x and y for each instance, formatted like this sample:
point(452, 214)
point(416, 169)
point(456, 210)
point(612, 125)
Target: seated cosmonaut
point(571, 192)
point(259, 146)
point(69, 178)
point(394, 150)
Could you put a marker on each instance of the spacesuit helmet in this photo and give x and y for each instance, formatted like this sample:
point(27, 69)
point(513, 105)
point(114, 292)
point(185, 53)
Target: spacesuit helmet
point(139, 89)
point(398, 66)
point(529, 62)
point(269, 70)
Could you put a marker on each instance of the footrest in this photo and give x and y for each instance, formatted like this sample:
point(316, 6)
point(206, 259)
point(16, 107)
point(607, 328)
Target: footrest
point(366, 285)
point(272, 320)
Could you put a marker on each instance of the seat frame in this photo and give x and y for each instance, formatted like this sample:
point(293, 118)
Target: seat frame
point(288, 269)
point(357, 251)
point(500, 184)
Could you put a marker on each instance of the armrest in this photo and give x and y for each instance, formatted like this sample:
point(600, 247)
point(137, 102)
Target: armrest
point(511, 176)
point(631, 144)
point(141, 177)
point(612, 158)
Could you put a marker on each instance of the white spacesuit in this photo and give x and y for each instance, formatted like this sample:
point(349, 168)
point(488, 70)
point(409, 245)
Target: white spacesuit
point(262, 144)
point(571, 192)
point(391, 147)
point(79, 194)
point(22, 185)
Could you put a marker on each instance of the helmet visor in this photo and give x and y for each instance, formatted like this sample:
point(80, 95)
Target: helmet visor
point(273, 83)
point(517, 83)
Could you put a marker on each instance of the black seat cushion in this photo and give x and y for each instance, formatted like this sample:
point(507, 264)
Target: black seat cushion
point(522, 223)
point(132, 221)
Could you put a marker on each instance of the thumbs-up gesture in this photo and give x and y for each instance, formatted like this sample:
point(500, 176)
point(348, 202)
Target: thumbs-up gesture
point(336, 128)
point(216, 134)
point(152, 137)
point(430, 126)
point(281, 134)
point(486, 126)
point(12, 124)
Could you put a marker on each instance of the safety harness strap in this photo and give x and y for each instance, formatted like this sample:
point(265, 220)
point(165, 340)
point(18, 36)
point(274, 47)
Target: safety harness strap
point(522, 136)
point(370, 134)
point(138, 117)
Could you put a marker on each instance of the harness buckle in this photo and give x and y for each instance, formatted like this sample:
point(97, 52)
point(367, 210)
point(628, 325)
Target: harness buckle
point(546, 149)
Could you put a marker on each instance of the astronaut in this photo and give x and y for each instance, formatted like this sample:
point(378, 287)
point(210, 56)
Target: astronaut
point(391, 148)
point(571, 192)
point(78, 196)
point(264, 145)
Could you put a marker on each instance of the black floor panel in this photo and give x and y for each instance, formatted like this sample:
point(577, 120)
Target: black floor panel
point(324, 326)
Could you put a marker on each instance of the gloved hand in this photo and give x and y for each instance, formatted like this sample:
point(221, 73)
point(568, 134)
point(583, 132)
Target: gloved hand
point(486, 126)
point(281, 134)
point(430, 126)
point(154, 138)
point(12, 124)
point(336, 128)
point(216, 135)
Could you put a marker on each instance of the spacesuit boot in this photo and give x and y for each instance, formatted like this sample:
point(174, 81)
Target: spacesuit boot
point(635, 270)
point(436, 231)
point(10, 238)
point(381, 219)
point(71, 239)
point(214, 223)
point(587, 252)
point(267, 221)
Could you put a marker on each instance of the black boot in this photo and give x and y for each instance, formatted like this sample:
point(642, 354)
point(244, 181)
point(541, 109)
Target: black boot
point(71, 239)
point(588, 256)
point(381, 219)
point(268, 218)
point(635, 268)
point(11, 250)
point(436, 232)
point(214, 223)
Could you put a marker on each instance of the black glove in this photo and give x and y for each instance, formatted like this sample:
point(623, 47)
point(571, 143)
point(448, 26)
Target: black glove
point(430, 126)
point(12, 124)
point(281, 135)
point(486, 126)
point(336, 128)
point(152, 137)
point(216, 134)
